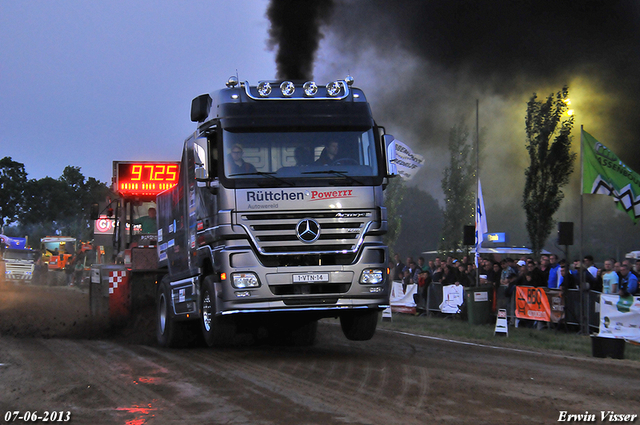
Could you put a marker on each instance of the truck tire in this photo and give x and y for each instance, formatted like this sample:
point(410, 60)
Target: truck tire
point(167, 329)
point(359, 325)
point(56, 278)
point(217, 331)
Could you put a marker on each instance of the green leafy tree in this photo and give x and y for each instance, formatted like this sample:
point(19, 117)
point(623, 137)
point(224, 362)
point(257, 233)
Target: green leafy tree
point(13, 180)
point(457, 185)
point(62, 206)
point(549, 147)
point(393, 196)
point(44, 204)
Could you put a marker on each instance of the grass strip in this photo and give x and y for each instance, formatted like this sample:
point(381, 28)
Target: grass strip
point(567, 342)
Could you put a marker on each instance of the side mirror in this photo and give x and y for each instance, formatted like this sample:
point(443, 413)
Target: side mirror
point(200, 107)
point(390, 146)
point(201, 173)
point(201, 159)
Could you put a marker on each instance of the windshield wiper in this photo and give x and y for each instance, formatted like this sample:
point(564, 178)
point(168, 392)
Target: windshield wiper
point(262, 173)
point(336, 173)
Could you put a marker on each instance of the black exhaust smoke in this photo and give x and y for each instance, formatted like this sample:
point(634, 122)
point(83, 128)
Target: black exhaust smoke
point(295, 30)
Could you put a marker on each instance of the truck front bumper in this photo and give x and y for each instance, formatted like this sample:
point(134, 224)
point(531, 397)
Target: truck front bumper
point(324, 290)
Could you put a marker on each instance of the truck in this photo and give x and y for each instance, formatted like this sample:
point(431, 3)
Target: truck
point(124, 282)
point(19, 264)
point(277, 217)
point(17, 259)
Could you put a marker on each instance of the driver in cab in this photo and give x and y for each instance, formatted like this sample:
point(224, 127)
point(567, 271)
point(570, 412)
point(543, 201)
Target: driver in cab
point(236, 164)
point(329, 154)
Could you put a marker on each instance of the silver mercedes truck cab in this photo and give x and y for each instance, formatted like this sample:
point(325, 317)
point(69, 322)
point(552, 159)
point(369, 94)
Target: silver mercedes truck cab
point(277, 218)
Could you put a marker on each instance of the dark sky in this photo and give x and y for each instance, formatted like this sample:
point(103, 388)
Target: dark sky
point(500, 47)
point(423, 65)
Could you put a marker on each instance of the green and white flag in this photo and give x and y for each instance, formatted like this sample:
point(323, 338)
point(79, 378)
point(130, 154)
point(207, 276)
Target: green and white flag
point(605, 174)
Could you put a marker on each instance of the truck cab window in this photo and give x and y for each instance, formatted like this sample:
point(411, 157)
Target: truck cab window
point(298, 154)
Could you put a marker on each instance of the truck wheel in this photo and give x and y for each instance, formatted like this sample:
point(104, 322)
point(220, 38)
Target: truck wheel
point(56, 278)
point(167, 330)
point(217, 331)
point(359, 325)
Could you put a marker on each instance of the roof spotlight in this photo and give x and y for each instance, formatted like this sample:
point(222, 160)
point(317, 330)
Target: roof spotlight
point(333, 89)
point(287, 88)
point(349, 80)
point(232, 81)
point(310, 88)
point(264, 89)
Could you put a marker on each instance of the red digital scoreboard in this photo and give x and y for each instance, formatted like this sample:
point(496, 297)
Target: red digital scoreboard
point(145, 179)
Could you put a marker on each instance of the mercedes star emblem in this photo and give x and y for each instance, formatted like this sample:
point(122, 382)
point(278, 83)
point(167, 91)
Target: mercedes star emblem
point(308, 230)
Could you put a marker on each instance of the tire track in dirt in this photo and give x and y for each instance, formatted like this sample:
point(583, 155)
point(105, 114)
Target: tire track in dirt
point(319, 382)
point(113, 371)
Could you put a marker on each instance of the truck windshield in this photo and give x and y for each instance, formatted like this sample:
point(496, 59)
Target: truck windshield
point(287, 156)
point(58, 247)
point(19, 254)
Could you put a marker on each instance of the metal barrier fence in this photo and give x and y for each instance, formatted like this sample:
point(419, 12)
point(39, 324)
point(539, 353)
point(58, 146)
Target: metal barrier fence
point(571, 299)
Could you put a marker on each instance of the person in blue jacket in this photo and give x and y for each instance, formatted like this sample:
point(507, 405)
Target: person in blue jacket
point(628, 282)
point(554, 271)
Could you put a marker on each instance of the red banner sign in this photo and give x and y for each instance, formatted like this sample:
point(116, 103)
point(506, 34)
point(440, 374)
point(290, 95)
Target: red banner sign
point(539, 304)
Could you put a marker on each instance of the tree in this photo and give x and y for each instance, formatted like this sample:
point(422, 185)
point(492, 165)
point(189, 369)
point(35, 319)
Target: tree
point(393, 196)
point(13, 179)
point(551, 164)
point(62, 206)
point(421, 223)
point(457, 185)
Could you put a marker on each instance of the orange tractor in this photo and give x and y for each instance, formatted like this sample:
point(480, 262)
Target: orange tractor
point(57, 252)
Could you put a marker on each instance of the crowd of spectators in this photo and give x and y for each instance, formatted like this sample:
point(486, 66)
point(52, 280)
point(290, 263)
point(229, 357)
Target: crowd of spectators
point(614, 278)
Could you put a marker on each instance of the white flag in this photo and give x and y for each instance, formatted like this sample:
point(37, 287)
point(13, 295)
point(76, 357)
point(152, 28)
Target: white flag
point(481, 218)
point(406, 161)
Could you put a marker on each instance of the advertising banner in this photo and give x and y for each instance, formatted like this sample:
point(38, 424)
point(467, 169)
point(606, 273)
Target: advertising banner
point(301, 198)
point(539, 304)
point(452, 298)
point(104, 225)
point(401, 300)
point(620, 317)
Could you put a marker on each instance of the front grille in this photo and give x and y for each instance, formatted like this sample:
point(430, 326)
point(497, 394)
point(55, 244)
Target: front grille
point(307, 260)
point(310, 289)
point(19, 268)
point(275, 234)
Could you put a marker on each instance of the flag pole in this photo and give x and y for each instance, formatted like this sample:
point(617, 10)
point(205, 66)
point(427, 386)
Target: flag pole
point(581, 270)
point(477, 259)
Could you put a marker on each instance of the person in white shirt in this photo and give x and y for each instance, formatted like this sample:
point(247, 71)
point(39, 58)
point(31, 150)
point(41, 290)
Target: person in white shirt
point(609, 278)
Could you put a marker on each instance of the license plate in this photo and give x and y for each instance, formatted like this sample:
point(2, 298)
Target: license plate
point(311, 277)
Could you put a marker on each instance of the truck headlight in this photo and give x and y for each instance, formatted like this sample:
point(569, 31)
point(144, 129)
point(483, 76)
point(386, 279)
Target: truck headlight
point(371, 276)
point(244, 280)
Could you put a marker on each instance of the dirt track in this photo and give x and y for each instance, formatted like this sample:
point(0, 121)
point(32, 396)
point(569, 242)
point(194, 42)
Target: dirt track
point(52, 357)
